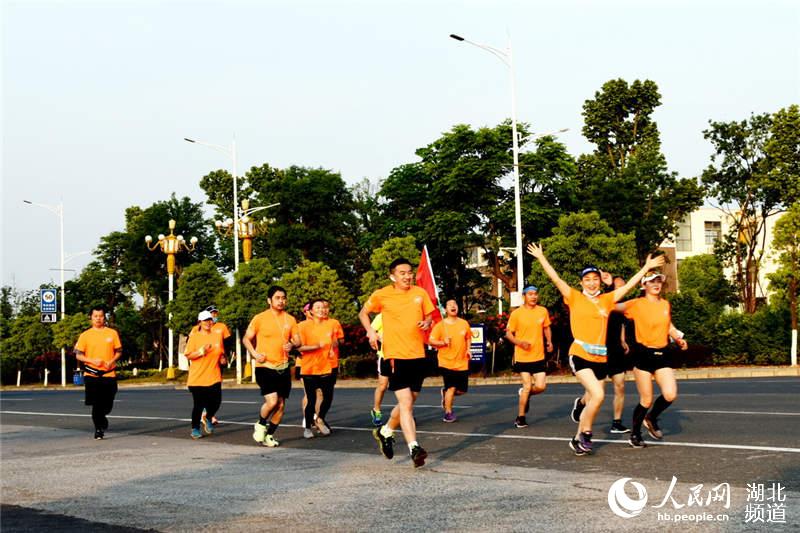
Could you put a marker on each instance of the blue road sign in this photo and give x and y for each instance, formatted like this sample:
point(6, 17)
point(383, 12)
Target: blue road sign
point(48, 301)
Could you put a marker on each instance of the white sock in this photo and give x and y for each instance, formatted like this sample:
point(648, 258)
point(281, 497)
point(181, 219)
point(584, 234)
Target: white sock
point(386, 431)
point(411, 445)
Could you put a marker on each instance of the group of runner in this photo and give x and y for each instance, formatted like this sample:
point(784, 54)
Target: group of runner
point(398, 320)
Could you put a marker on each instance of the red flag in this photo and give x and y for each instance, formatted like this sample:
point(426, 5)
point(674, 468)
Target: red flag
point(426, 281)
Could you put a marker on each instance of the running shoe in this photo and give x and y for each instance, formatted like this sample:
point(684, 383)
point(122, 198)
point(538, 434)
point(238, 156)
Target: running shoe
point(386, 444)
point(636, 441)
point(196, 433)
point(271, 442)
point(98, 434)
point(520, 422)
point(207, 426)
point(652, 428)
point(577, 409)
point(377, 417)
point(449, 417)
point(259, 432)
point(617, 427)
point(308, 434)
point(585, 441)
point(575, 447)
point(418, 455)
point(322, 427)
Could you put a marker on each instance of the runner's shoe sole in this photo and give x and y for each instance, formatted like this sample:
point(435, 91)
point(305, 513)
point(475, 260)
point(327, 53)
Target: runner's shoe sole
point(652, 429)
point(418, 456)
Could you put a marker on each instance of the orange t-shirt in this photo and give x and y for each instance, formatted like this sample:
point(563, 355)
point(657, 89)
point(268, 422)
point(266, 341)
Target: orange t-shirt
point(338, 334)
point(527, 324)
point(316, 362)
point(205, 371)
point(651, 320)
point(99, 343)
point(401, 310)
point(272, 331)
point(588, 318)
point(455, 356)
point(218, 327)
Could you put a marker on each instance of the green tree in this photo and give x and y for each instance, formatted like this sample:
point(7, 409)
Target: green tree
point(783, 153)
point(239, 303)
point(28, 339)
point(582, 239)
point(198, 288)
point(742, 181)
point(786, 241)
point(378, 274)
point(316, 280)
point(626, 178)
point(704, 275)
point(97, 284)
point(66, 331)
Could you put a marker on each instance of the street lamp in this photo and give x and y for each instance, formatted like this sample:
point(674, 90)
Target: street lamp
point(59, 212)
point(231, 152)
point(247, 228)
point(507, 58)
point(171, 245)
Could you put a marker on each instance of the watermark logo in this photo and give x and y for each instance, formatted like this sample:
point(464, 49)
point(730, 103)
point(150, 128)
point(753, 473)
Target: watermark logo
point(623, 505)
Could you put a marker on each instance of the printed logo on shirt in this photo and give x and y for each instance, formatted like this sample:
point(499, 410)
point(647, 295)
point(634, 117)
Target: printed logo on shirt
point(418, 300)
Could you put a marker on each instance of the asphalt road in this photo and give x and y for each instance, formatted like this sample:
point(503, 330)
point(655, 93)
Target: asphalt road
point(738, 432)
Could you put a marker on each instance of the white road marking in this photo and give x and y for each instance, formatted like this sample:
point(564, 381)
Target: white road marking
point(445, 433)
point(761, 413)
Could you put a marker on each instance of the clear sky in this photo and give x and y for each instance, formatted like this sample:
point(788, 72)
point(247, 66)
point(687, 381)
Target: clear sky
point(97, 96)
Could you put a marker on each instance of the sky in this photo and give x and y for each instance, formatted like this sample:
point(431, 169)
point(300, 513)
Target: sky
point(98, 96)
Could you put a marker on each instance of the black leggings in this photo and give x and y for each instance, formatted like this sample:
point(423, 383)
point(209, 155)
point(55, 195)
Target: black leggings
point(100, 393)
point(208, 398)
point(311, 384)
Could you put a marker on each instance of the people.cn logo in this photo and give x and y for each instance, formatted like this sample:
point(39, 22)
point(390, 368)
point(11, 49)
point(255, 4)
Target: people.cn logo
point(621, 503)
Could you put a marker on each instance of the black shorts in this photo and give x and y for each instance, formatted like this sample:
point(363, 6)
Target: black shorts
point(297, 373)
point(455, 378)
point(335, 373)
point(99, 390)
point(534, 367)
point(384, 367)
point(274, 381)
point(619, 362)
point(407, 374)
point(577, 363)
point(651, 359)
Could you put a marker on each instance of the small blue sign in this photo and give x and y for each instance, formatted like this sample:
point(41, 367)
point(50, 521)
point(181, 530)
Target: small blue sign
point(48, 301)
point(477, 348)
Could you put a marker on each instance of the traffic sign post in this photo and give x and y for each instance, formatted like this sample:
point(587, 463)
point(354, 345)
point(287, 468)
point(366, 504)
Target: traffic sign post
point(49, 318)
point(48, 301)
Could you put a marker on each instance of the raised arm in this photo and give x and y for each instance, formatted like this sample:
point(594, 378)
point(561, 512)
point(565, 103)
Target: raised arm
point(650, 264)
point(562, 286)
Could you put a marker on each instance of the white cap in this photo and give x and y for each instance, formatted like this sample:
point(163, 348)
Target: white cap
point(204, 315)
point(650, 276)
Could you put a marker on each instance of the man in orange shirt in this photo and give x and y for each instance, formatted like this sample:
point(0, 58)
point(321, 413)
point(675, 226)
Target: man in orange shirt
point(205, 351)
point(406, 311)
point(317, 341)
point(452, 337)
point(274, 333)
point(99, 349)
point(528, 328)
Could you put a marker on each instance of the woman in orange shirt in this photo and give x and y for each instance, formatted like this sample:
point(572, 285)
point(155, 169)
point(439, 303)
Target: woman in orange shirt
point(206, 352)
point(589, 310)
point(652, 318)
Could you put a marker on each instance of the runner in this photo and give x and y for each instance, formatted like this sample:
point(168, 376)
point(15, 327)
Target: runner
point(528, 330)
point(406, 311)
point(316, 350)
point(275, 334)
point(589, 310)
point(298, 363)
point(653, 325)
point(619, 361)
point(452, 337)
point(99, 349)
point(337, 333)
point(384, 369)
point(227, 341)
point(205, 351)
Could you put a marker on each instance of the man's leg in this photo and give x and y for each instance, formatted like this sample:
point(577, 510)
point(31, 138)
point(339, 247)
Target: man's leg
point(525, 394)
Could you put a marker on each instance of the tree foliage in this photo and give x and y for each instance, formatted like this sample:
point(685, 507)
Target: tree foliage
point(239, 303)
point(198, 288)
point(703, 274)
point(313, 279)
point(378, 274)
point(582, 239)
point(786, 241)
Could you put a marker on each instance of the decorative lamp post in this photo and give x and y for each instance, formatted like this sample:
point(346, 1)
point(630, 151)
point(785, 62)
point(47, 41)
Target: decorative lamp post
point(247, 228)
point(171, 245)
